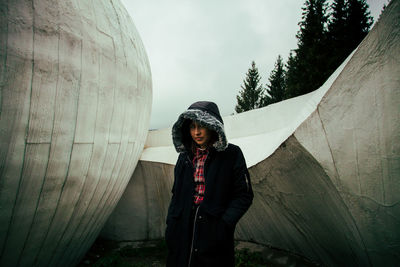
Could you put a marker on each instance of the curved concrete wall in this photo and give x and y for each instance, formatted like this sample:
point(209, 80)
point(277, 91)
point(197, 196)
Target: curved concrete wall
point(325, 166)
point(363, 161)
point(75, 103)
point(141, 212)
point(298, 209)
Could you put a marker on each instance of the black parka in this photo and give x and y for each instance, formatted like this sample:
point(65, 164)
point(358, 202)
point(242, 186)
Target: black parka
point(207, 240)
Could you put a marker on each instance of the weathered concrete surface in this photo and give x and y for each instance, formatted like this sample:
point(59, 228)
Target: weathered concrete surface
point(363, 161)
point(141, 212)
point(75, 102)
point(298, 209)
point(326, 175)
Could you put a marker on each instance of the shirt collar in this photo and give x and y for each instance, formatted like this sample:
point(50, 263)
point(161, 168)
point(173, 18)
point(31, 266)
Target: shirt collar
point(201, 152)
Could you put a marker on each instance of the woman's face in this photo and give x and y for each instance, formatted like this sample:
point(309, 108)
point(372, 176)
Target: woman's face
point(201, 135)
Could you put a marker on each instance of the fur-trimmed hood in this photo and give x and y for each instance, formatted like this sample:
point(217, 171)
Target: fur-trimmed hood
point(206, 114)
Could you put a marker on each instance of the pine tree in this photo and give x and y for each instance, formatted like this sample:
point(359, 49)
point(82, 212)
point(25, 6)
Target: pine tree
point(312, 28)
point(323, 45)
point(338, 33)
point(252, 92)
point(276, 86)
point(349, 24)
point(359, 22)
point(307, 69)
point(292, 87)
point(383, 9)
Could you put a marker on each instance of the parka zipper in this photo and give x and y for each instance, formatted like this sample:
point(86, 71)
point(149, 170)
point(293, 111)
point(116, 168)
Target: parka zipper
point(189, 162)
point(197, 210)
point(194, 229)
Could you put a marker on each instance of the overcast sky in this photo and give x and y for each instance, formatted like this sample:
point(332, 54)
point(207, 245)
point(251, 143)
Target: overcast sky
point(202, 49)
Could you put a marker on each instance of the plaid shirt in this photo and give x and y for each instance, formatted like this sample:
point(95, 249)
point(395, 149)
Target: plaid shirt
point(199, 181)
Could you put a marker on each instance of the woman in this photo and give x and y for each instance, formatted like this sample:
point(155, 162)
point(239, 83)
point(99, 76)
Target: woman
point(211, 190)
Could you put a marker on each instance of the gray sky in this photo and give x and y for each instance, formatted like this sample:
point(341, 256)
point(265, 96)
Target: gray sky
point(202, 49)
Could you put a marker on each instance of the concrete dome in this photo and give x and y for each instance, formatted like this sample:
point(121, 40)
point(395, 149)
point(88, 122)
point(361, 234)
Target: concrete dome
point(75, 103)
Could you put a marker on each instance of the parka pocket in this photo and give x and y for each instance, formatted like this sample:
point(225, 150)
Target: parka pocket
point(171, 230)
point(213, 234)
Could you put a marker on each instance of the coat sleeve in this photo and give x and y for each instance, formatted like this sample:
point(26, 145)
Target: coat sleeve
point(172, 203)
point(242, 194)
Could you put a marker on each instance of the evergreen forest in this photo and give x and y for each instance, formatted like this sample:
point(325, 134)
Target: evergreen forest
point(328, 32)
